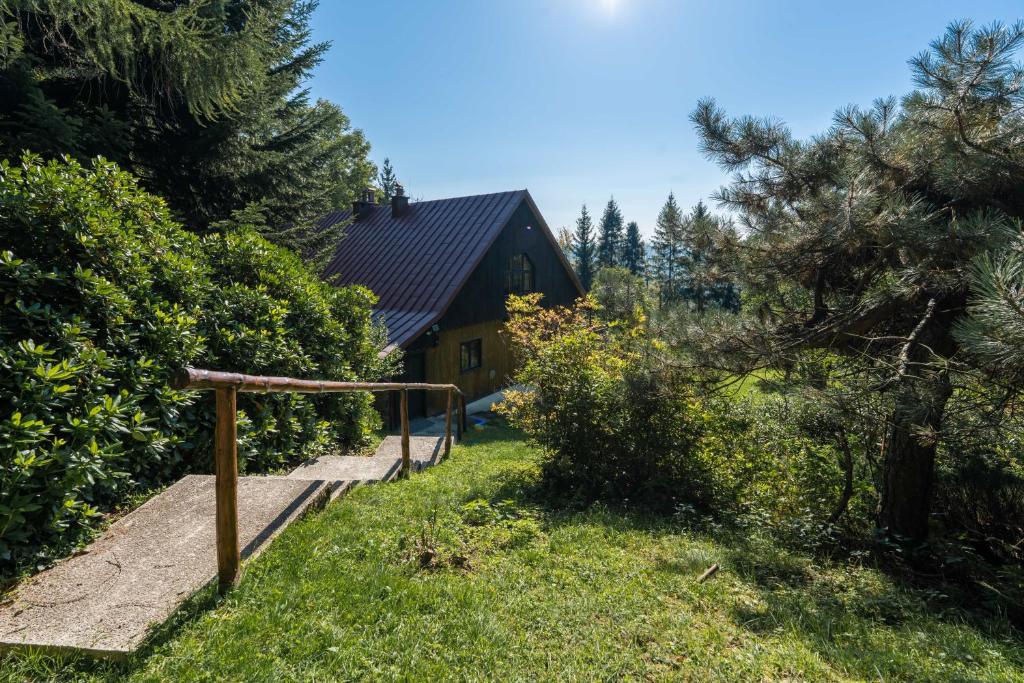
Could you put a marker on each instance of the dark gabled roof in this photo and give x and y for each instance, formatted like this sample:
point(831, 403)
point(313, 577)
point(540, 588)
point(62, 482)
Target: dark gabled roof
point(418, 262)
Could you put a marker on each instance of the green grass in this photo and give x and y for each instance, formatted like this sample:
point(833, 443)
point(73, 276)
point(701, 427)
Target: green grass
point(749, 385)
point(462, 573)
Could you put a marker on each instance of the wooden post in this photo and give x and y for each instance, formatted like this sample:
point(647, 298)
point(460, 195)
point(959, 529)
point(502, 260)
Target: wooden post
point(406, 462)
point(226, 469)
point(462, 413)
point(448, 427)
point(458, 420)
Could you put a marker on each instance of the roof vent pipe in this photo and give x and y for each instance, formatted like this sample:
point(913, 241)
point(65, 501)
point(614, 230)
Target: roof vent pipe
point(399, 203)
point(364, 205)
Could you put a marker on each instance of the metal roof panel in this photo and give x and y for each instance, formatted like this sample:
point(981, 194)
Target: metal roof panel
point(416, 263)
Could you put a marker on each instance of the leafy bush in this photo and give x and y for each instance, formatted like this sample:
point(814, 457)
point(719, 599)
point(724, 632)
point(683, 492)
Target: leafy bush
point(615, 423)
point(619, 421)
point(789, 463)
point(979, 483)
point(103, 296)
point(799, 454)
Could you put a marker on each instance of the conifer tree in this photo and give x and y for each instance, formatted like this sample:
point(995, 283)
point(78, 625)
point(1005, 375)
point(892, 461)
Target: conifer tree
point(387, 181)
point(583, 248)
point(633, 258)
point(993, 333)
point(668, 250)
point(609, 244)
point(865, 239)
point(565, 243)
point(203, 101)
point(704, 277)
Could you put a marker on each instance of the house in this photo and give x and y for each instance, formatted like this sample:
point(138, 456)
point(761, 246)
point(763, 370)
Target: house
point(442, 270)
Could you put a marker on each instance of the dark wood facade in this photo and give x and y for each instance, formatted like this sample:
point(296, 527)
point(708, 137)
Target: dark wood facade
point(483, 296)
point(478, 312)
point(473, 311)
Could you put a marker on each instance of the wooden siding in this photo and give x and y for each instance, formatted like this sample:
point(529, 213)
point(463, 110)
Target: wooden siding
point(478, 312)
point(442, 363)
point(483, 296)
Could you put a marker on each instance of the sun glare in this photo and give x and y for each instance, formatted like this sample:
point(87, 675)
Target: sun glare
point(609, 6)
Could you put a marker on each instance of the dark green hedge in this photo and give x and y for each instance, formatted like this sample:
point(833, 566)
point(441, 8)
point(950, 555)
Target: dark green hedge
point(103, 295)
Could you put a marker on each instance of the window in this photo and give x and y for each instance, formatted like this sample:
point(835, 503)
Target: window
point(469, 355)
point(519, 274)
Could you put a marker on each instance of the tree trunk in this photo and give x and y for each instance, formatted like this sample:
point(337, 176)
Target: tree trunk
point(847, 463)
point(912, 435)
point(908, 464)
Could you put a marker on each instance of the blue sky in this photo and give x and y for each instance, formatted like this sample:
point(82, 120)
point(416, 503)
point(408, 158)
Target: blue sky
point(579, 100)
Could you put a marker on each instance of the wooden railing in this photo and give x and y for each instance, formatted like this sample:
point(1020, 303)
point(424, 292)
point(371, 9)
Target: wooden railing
point(228, 384)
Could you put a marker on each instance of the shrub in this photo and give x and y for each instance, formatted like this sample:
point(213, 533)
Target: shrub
point(788, 463)
point(619, 421)
point(620, 295)
point(979, 485)
point(103, 295)
point(614, 422)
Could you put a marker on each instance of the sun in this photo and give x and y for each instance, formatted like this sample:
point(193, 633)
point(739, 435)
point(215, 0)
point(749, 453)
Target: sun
point(609, 6)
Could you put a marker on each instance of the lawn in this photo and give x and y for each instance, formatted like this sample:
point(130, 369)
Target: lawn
point(463, 573)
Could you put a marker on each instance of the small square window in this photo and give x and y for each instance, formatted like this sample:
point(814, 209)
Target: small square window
point(470, 354)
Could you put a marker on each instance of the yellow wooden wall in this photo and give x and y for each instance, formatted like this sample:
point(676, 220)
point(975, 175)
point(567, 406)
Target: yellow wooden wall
point(442, 363)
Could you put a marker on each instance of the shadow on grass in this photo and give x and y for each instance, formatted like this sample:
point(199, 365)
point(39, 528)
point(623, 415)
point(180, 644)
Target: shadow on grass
point(816, 601)
point(865, 613)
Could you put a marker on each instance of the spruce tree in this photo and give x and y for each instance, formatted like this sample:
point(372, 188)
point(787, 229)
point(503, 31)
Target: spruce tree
point(609, 244)
point(583, 248)
point(387, 181)
point(205, 55)
point(203, 101)
point(633, 258)
point(668, 249)
point(704, 275)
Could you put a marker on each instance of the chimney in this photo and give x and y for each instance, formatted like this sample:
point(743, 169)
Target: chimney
point(364, 205)
point(399, 203)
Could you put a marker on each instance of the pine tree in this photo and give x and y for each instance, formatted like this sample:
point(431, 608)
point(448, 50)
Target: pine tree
point(204, 101)
point(668, 250)
point(583, 248)
point(609, 245)
point(387, 180)
point(633, 257)
point(864, 238)
point(994, 331)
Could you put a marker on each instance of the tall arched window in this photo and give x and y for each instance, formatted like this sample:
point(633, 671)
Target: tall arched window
point(519, 274)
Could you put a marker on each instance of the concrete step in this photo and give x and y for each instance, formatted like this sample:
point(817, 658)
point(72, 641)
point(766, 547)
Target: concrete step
point(384, 465)
point(348, 468)
point(106, 600)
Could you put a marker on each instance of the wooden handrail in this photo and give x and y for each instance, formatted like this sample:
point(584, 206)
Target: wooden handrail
point(192, 378)
point(228, 384)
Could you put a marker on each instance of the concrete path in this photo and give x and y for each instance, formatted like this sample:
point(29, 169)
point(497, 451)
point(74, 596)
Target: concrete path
point(435, 424)
point(385, 464)
point(106, 600)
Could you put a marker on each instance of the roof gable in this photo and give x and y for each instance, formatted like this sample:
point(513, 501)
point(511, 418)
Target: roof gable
point(417, 263)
